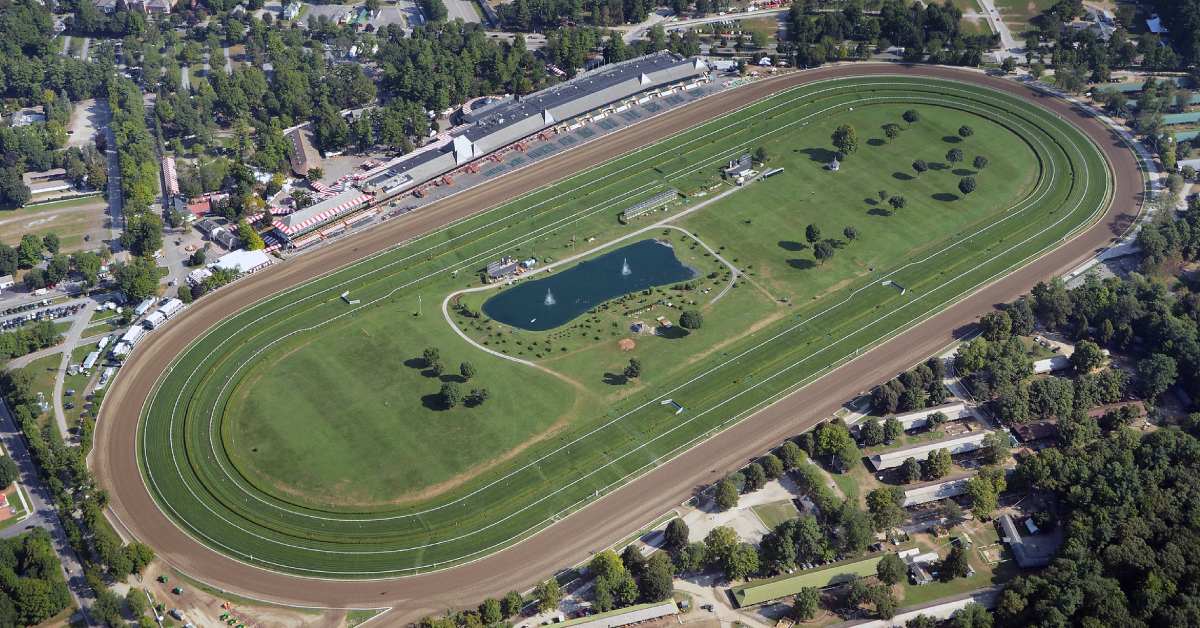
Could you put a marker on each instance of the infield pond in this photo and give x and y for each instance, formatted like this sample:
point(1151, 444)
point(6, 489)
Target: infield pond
point(546, 303)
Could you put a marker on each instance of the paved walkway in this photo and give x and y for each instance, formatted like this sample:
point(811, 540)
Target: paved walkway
point(117, 223)
point(1008, 44)
point(82, 318)
point(44, 514)
point(704, 591)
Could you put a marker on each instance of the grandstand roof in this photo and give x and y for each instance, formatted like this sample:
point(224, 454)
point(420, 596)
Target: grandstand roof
point(626, 616)
point(315, 215)
point(933, 491)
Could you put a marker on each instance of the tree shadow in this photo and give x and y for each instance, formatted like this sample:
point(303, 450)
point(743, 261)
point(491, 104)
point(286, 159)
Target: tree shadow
point(792, 245)
point(614, 379)
point(951, 139)
point(451, 377)
point(801, 264)
point(937, 165)
point(963, 172)
point(874, 141)
point(430, 373)
point(871, 201)
point(900, 176)
point(415, 363)
point(433, 402)
point(878, 211)
point(945, 197)
point(819, 155)
point(673, 332)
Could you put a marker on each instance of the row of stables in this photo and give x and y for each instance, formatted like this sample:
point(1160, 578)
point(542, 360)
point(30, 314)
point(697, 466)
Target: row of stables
point(491, 127)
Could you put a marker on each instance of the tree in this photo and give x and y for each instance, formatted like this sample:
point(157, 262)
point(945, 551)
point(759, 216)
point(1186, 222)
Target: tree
point(938, 464)
point(791, 455)
point(911, 116)
point(315, 174)
point(138, 278)
point(845, 139)
point(772, 466)
point(29, 252)
point(812, 233)
point(489, 612)
point(742, 562)
point(512, 603)
point(756, 478)
point(1155, 375)
point(823, 251)
point(634, 369)
point(966, 185)
point(450, 395)
point(884, 504)
point(51, 242)
point(920, 166)
point(955, 564)
point(675, 538)
point(965, 131)
point(995, 448)
point(808, 602)
point(897, 202)
point(8, 471)
point(250, 237)
point(727, 495)
point(871, 432)
point(891, 130)
point(980, 162)
point(719, 544)
point(972, 615)
point(548, 595)
point(954, 155)
point(910, 470)
point(691, 319)
point(851, 233)
point(997, 326)
point(657, 582)
point(983, 496)
point(884, 601)
point(606, 564)
point(892, 430)
point(143, 234)
point(760, 155)
point(1088, 356)
point(467, 370)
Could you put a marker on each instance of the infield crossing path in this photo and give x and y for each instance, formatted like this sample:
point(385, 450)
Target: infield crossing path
point(611, 518)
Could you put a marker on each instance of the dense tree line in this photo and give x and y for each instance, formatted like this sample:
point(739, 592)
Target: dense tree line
point(930, 32)
point(918, 388)
point(27, 339)
point(73, 489)
point(32, 587)
point(1183, 18)
point(28, 63)
point(1124, 504)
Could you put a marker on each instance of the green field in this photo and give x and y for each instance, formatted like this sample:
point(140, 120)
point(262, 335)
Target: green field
point(776, 513)
point(299, 434)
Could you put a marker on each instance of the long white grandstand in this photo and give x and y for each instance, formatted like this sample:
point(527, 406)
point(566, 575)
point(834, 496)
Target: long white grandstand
point(490, 127)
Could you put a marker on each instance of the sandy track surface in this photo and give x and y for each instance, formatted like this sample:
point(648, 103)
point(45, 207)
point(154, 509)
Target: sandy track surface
point(614, 516)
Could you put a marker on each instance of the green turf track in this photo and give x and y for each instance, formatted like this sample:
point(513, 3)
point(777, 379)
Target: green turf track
point(187, 472)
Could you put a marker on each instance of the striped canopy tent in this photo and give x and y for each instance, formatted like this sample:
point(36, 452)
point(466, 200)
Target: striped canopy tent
point(287, 227)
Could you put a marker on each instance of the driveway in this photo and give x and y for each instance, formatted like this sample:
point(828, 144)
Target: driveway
point(117, 224)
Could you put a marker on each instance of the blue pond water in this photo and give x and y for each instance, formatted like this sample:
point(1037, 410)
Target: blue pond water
point(560, 297)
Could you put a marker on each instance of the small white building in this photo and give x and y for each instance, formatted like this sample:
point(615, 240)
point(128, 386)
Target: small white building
point(1051, 365)
point(243, 262)
point(920, 418)
point(6, 282)
point(144, 306)
point(291, 10)
point(170, 308)
point(155, 319)
point(90, 360)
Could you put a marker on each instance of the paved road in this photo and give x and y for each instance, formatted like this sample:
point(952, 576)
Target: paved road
point(80, 322)
point(44, 515)
point(1008, 43)
point(605, 521)
point(117, 219)
point(463, 10)
point(87, 43)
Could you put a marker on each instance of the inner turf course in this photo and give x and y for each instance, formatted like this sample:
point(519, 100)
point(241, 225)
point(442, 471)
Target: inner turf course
point(193, 481)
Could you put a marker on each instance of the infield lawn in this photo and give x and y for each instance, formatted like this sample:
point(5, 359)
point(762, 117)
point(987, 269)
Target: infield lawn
point(300, 434)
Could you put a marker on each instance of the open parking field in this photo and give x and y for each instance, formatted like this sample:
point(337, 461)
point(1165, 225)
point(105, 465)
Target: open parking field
point(448, 510)
point(80, 222)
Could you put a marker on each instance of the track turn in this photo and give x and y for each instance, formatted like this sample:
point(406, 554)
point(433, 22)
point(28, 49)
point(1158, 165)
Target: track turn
point(134, 512)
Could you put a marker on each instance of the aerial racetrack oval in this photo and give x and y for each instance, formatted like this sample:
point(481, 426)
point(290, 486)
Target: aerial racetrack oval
point(293, 437)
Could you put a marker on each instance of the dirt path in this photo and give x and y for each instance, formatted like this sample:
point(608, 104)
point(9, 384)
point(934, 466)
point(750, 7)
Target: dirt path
point(603, 522)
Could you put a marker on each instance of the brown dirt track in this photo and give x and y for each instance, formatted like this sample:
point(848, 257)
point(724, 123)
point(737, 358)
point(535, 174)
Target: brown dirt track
point(611, 518)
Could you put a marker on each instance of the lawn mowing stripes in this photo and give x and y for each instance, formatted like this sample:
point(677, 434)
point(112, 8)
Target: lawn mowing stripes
point(485, 509)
